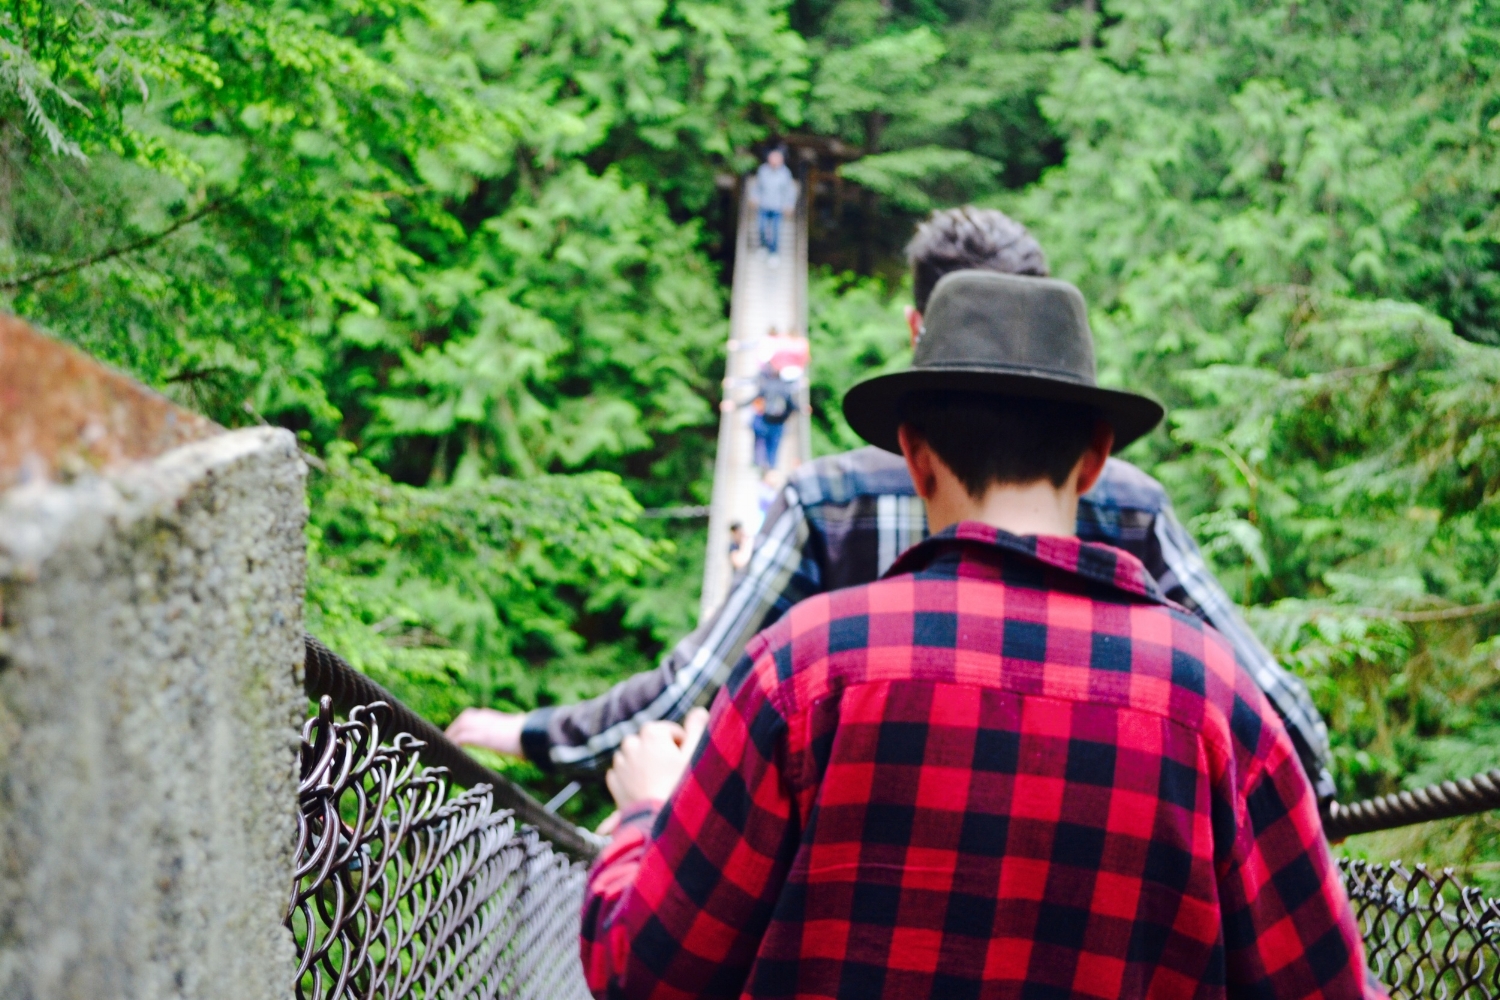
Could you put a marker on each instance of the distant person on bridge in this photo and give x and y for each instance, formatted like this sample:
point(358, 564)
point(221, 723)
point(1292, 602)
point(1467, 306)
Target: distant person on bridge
point(739, 547)
point(775, 402)
point(1009, 768)
point(773, 191)
point(842, 520)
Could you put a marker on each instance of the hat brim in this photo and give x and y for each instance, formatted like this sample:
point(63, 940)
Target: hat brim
point(871, 407)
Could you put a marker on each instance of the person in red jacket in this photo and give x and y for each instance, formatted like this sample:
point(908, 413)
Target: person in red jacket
point(1009, 768)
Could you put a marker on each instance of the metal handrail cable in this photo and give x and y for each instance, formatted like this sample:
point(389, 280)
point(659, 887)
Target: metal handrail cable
point(1445, 800)
point(327, 673)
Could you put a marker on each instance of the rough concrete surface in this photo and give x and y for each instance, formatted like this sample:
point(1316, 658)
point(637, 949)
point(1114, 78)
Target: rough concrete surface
point(150, 696)
point(63, 412)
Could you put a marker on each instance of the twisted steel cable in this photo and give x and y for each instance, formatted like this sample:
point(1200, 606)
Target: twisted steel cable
point(327, 673)
point(1480, 793)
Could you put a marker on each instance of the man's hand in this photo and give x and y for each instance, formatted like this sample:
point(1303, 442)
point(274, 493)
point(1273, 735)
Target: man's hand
point(485, 727)
point(649, 764)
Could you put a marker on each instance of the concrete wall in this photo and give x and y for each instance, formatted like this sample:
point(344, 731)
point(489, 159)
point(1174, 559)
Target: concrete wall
point(150, 697)
point(62, 412)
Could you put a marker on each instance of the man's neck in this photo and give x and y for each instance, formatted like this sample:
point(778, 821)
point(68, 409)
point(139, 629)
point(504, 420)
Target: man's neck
point(1036, 508)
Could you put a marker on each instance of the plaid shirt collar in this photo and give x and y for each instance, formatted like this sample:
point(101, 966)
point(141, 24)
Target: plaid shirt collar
point(1101, 564)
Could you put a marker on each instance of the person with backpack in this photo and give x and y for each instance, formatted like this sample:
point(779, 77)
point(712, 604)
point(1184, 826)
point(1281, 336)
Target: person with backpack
point(775, 402)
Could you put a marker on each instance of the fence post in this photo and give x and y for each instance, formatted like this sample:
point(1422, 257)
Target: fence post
point(150, 648)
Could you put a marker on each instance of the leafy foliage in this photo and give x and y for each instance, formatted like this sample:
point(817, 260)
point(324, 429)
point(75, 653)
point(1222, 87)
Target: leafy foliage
point(940, 98)
point(1282, 215)
point(453, 593)
point(445, 242)
point(855, 330)
point(467, 250)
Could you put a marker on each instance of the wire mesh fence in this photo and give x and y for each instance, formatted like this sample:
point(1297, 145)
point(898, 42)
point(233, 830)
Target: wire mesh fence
point(1426, 934)
point(403, 890)
point(408, 888)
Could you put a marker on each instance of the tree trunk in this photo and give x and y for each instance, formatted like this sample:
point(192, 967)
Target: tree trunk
point(874, 124)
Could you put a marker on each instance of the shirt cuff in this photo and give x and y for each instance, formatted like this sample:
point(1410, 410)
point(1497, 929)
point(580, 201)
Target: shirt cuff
point(641, 816)
point(536, 743)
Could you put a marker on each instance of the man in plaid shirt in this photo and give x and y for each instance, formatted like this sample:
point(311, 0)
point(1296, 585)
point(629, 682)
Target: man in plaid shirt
point(842, 521)
point(1011, 767)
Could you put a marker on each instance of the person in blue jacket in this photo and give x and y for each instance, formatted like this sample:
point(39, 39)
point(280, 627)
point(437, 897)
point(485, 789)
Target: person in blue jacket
point(773, 192)
point(774, 404)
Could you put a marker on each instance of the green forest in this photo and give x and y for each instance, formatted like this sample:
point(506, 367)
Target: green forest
point(476, 255)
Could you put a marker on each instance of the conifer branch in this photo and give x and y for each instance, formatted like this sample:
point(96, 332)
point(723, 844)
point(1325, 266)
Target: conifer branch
point(22, 281)
point(1435, 614)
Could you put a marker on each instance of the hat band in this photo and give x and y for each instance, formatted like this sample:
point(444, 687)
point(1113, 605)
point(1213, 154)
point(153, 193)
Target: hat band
point(1000, 368)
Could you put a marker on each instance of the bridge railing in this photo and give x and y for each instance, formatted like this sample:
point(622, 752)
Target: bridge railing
point(403, 889)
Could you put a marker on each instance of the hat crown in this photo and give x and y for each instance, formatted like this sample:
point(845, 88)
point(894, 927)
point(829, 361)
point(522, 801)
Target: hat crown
point(984, 320)
point(1002, 335)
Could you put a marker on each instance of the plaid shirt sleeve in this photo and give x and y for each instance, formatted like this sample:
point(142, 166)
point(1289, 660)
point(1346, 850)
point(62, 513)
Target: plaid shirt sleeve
point(1286, 918)
point(1185, 578)
point(679, 901)
point(583, 737)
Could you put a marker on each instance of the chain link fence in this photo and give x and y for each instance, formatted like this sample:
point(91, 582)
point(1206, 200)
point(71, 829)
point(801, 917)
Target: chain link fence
point(408, 888)
point(1427, 935)
point(403, 890)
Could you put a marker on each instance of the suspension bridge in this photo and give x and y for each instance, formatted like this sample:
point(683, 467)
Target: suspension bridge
point(410, 869)
point(1426, 933)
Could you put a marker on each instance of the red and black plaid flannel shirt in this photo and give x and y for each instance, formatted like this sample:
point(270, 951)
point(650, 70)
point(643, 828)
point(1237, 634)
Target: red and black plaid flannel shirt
point(1009, 769)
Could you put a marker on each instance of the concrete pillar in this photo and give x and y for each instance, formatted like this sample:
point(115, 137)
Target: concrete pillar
point(150, 695)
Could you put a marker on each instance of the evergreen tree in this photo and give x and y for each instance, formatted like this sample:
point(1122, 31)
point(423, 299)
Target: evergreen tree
point(1283, 217)
point(469, 252)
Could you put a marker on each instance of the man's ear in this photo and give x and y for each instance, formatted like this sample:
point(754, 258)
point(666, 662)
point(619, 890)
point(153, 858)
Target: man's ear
point(1091, 465)
point(919, 461)
point(914, 321)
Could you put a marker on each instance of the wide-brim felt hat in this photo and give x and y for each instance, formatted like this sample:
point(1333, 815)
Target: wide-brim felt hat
point(1003, 334)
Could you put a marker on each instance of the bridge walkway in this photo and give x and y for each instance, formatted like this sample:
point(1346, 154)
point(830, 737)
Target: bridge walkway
point(769, 294)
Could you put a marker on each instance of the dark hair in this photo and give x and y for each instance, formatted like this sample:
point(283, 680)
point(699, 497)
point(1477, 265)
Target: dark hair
point(957, 239)
point(989, 439)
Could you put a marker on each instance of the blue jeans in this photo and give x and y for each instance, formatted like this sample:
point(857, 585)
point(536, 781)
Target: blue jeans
point(767, 441)
point(770, 229)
